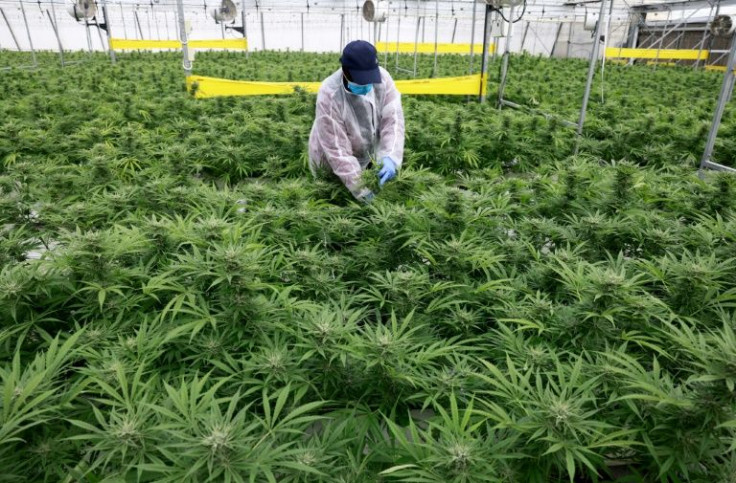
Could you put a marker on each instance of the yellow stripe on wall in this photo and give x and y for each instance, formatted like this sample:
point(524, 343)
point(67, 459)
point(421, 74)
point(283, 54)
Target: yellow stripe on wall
point(207, 87)
point(428, 48)
point(126, 44)
point(675, 54)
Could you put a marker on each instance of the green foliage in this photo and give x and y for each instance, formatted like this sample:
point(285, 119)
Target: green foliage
point(181, 301)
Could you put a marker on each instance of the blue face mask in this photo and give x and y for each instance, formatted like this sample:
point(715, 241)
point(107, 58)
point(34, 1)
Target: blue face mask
point(359, 90)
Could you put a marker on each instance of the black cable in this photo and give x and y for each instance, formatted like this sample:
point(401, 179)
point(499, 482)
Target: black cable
point(500, 12)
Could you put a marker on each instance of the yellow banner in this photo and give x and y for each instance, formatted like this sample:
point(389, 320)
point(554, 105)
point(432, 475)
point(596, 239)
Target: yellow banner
point(716, 68)
point(428, 48)
point(206, 87)
point(468, 85)
point(676, 54)
point(230, 44)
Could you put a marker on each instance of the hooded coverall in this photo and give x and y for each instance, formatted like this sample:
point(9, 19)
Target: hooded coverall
point(351, 129)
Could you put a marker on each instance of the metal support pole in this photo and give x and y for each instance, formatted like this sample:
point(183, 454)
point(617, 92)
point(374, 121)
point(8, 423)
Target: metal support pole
point(302, 30)
point(416, 42)
point(155, 23)
point(436, 35)
point(633, 38)
point(245, 30)
point(506, 55)
point(454, 31)
point(605, 45)
point(122, 18)
point(633, 35)
point(591, 71)
point(108, 29)
point(186, 63)
point(28, 33)
point(545, 115)
point(725, 94)
point(385, 49)
point(706, 31)
point(398, 41)
point(342, 30)
point(712, 37)
point(138, 23)
point(472, 37)
point(222, 29)
point(263, 33)
point(678, 41)
point(10, 28)
point(557, 38)
point(148, 21)
point(569, 41)
point(166, 24)
point(99, 35)
point(482, 95)
point(523, 37)
point(605, 37)
point(56, 32)
point(661, 40)
point(89, 36)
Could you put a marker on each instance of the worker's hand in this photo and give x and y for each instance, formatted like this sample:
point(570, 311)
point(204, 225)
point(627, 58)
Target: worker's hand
point(388, 170)
point(368, 197)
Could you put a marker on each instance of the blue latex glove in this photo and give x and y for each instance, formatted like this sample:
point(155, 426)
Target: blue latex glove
point(368, 197)
point(388, 170)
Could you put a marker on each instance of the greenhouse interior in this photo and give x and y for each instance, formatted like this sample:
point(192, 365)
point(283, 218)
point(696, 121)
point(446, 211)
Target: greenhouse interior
point(367, 241)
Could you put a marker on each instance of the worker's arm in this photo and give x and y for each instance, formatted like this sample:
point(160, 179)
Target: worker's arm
point(392, 124)
point(336, 146)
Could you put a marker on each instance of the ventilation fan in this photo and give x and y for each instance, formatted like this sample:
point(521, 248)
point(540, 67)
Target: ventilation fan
point(503, 3)
point(82, 9)
point(375, 10)
point(723, 25)
point(591, 19)
point(225, 13)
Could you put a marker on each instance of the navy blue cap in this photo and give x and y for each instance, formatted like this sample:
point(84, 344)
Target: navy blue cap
point(360, 59)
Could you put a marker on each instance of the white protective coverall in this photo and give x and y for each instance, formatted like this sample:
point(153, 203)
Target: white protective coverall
point(349, 129)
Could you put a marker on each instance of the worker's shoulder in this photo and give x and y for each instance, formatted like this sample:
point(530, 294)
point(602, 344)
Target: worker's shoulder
point(330, 85)
point(385, 74)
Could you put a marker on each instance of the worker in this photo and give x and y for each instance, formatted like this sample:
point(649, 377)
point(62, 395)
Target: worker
point(359, 118)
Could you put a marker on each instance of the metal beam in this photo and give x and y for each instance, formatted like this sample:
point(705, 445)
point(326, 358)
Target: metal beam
point(56, 33)
point(263, 32)
point(545, 115)
point(122, 19)
point(557, 38)
point(436, 34)
point(484, 61)
point(718, 167)
point(10, 28)
point(506, 55)
point(28, 32)
point(686, 4)
point(723, 97)
point(472, 37)
point(108, 29)
point(245, 30)
point(591, 72)
point(186, 63)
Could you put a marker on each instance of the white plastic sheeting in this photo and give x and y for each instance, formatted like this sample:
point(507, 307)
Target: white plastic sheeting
point(280, 24)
